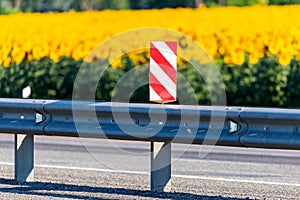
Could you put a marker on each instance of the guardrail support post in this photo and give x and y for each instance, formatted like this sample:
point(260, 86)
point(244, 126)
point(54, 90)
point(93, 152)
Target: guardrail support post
point(24, 157)
point(160, 166)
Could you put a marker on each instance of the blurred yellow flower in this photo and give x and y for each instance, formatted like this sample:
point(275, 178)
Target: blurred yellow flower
point(116, 62)
point(228, 33)
point(284, 59)
point(253, 58)
point(7, 62)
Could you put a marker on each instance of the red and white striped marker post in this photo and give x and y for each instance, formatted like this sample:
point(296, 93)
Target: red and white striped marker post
point(162, 88)
point(163, 68)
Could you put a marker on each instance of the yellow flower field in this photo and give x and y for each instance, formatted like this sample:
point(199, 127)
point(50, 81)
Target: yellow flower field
point(227, 33)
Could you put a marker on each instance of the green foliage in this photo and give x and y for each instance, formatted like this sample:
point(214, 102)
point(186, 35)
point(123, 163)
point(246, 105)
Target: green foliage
point(47, 79)
point(263, 84)
point(217, 3)
point(283, 2)
point(212, 3)
point(242, 2)
point(293, 85)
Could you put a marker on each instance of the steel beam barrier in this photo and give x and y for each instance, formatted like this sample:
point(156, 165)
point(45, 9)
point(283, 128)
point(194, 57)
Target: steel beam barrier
point(245, 127)
point(159, 124)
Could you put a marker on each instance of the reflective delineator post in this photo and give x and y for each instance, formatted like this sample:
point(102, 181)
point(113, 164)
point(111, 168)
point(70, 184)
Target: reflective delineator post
point(162, 88)
point(163, 68)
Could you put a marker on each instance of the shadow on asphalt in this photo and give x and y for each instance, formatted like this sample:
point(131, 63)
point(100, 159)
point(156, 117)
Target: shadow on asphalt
point(47, 189)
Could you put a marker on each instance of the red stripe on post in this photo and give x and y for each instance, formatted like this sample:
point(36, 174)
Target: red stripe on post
point(172, 46)
point(163, 63)
point(160, 89)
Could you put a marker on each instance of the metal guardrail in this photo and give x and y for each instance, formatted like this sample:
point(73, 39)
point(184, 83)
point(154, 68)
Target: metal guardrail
point(159, 124)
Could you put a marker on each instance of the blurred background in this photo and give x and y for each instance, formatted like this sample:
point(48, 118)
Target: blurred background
point(8, 6)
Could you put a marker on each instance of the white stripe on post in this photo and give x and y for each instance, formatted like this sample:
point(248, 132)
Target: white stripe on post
point(167, 52)
point(161, 75)
point(155, 95)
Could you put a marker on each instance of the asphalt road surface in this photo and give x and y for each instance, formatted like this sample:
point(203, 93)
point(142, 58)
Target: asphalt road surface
point(74, 168)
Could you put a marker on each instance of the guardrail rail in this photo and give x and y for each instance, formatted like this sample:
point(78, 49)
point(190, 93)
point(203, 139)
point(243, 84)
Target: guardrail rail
point(227, 126)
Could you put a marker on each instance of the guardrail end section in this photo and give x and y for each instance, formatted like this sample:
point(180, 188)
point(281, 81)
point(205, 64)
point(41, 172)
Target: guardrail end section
point(24, 157)
point(160, 166)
